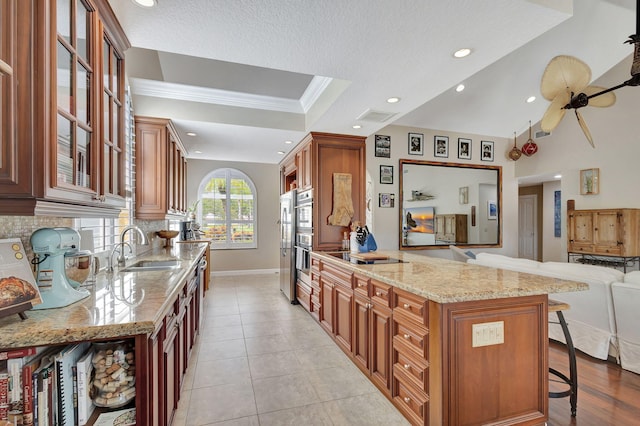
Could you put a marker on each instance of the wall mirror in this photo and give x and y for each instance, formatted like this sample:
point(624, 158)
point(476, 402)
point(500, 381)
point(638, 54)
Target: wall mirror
point(449, 203)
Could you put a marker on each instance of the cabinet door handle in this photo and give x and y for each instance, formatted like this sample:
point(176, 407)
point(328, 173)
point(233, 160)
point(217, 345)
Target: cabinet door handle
point(407, 399)
point(407, 306)
point(407, 366)
point(407, 336)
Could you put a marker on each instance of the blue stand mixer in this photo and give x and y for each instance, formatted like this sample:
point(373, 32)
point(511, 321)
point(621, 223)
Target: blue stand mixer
point(50, 246)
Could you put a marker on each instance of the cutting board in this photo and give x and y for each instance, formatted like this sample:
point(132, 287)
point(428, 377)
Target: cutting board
point(368, 256)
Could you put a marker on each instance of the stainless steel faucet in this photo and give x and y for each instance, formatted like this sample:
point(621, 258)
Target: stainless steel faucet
point(143, 240)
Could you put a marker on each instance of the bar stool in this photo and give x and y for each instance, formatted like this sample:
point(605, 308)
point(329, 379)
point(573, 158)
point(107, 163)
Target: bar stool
point(572, 380)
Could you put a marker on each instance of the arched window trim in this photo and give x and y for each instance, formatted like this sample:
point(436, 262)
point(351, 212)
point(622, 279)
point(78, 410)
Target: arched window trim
point(229, 174)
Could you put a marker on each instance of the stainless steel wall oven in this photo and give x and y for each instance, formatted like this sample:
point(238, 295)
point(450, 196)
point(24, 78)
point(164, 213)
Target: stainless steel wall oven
point(304, 233)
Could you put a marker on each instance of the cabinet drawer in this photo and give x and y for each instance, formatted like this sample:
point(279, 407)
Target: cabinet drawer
point(414, 337)
point(304, 296)
point(361, 285)
point(581, 248)
point(336, 274)
point(406, 363)
point(381, 293)
point(608, 250)
point(415, 307)
point(315, 263)
point(411, 401)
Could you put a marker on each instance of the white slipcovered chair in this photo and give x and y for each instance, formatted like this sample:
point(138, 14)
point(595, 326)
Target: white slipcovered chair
point(626, 300)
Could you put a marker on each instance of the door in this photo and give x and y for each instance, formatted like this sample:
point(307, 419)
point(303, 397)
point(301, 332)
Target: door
point(527, 224)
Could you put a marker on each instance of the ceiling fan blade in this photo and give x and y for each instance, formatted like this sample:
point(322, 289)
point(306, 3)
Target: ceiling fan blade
point(564, 73)
point(601, 101)
point(584, 128)
point(554, 113)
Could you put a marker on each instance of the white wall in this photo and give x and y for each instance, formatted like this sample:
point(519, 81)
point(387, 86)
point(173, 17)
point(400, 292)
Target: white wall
point(616, 132)
point(386, 220)
point(266, 178)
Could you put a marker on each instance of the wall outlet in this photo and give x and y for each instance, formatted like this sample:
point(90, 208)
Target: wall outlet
point(488, 333)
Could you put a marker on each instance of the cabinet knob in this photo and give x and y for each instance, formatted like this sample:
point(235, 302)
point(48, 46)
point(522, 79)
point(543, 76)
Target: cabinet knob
point(360, 285)
point(407, 336)
point(407, 306)
point(378, 293)
point(407, 399)
point(407, 366)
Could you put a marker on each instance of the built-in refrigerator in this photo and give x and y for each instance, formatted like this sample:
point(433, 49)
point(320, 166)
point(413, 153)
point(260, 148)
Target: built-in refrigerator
point(287, 252)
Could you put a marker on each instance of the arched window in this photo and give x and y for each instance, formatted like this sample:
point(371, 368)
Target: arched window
point(228, 209)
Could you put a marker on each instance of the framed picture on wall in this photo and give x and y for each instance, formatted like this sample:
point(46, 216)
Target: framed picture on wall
point(386, 174)
point(416, 144)
point(383, 146)
point(386, 200)
point(464, 149)
point(486, 150)
point(492, 210)
point(589, 182)
point(441, 146)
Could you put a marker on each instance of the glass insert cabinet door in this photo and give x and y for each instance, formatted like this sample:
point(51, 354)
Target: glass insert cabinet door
point(75, 124)
point(90, 150)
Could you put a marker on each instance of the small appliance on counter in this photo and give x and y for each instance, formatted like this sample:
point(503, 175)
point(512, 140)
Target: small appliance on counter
point(50, 245)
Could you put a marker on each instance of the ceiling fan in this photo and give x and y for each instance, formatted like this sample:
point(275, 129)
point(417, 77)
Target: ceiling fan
point(565, 82)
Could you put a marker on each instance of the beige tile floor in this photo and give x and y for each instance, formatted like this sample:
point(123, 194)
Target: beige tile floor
point(261, 361)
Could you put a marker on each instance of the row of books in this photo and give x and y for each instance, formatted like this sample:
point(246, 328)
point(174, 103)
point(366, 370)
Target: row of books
point(47, 386)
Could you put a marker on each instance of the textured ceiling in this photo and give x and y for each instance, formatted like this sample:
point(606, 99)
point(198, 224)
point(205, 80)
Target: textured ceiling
point(248, 75)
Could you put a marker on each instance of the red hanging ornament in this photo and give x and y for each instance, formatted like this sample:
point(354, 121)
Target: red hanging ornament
point(530, 147)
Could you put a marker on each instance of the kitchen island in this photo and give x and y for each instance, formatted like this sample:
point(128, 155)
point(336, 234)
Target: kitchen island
point(157, 311)
point(446, 342)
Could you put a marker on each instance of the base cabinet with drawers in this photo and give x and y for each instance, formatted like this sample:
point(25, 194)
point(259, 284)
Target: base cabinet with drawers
point(422, 354)
point(604, 232)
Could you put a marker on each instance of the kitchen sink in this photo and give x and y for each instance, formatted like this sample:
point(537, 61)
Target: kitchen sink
point(152, 265)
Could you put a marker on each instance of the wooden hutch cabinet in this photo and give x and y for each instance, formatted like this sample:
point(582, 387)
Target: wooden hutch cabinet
point(161, 170)
point(604, 232)
point(451, 228)
point(312, 165)
point(63, 108)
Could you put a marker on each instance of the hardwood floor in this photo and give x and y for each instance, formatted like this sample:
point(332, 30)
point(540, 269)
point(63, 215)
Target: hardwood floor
point(607, 394)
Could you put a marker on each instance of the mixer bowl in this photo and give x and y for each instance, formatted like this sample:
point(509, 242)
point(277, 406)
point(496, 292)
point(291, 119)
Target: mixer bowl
point(77, 266)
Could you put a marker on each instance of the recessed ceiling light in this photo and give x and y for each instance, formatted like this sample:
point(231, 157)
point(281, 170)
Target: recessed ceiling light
point(531, 99)
point(192, 134)
point(357, 126)
point(557, 177)
point(288, 142)
point(198, 152)
point(393, 100)
point(461, 53)
point(460, 88)
point(281, 152)
point(145, 3)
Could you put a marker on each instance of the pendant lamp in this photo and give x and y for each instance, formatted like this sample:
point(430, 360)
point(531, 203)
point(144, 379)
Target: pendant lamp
point(530, 147)
point(515, 153)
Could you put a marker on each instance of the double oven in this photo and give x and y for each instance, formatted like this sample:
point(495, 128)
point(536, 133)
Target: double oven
point(304, 233)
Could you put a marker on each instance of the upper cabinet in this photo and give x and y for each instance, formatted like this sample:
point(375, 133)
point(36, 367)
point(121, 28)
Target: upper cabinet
point(318, 160)
point(64, 153)
point(161, 169)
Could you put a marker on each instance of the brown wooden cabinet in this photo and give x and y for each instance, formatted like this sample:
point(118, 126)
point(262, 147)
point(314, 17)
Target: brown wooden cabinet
point(410, 390)
point(160, 170)
point(451, 228)
point(67, 149)
point(312, 165)
point(336, 312)
point(372, 330)
point(606, 232)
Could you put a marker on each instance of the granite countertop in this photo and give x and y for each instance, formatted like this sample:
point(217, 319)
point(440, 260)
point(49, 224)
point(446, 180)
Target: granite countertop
point(447, 281)
point(120, 304)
